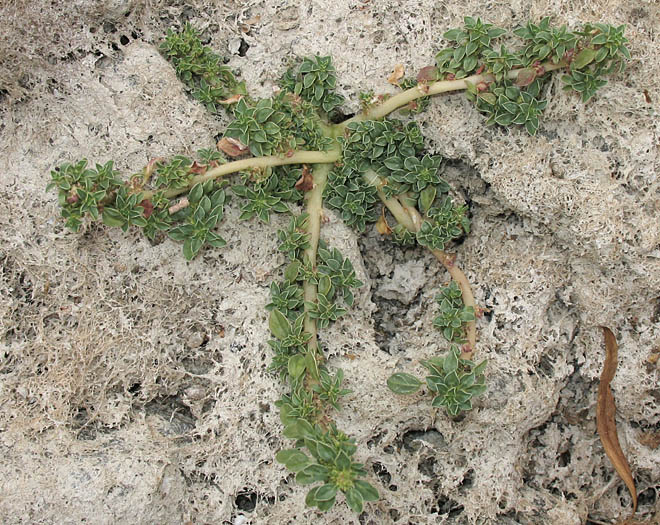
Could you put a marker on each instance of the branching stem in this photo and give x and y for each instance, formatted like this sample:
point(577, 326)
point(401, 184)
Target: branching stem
point(441, 86)
point(411, 219)
point(299, 157)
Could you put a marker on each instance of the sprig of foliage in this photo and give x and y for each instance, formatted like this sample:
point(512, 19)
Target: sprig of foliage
point(452, 380)
point(445, 223)
point(470, 42)
point(200, 69)
point(329, 389)
point(205, 210)
point(592, 53)
point(314, 80)
point(454, 315)
point(83, 190)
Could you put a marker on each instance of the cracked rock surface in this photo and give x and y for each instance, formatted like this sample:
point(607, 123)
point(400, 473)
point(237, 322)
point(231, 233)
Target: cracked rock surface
point(134, 385)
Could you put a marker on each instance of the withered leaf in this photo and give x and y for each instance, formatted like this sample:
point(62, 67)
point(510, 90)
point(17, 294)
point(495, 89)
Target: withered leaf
point(231, 100)
point(381, 225)
point(427, 74)
point(605, 416)
point(197, 168)
point(525, 77)
point(306, 181)
point(232, 147)
point(396, 75)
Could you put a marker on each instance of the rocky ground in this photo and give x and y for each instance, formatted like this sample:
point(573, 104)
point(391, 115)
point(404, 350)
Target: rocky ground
point(133, 385)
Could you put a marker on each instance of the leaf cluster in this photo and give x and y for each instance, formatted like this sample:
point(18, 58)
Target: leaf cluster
point(83, 190)
point(605, 54)
point(469, 43)
point(175, 174)
point(314, 81)
point(508, 104)
point(329, 463)
point(444, 223)
point(329, 388)
point(200, 69)
point(545, 42)
point(288, 345)
point(276, 125)
point(453, 316)
point(369, 146)
point(269, 194)
point(452, 380)
point(204, 211)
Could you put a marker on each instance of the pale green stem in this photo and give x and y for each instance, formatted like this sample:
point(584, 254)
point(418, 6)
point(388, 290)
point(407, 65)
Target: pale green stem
point(425, 90)
point(299, 157)
point(314, 208)
point(411, 219)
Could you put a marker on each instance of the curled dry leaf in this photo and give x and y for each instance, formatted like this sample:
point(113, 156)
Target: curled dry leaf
point(427, 74)
point(197, 168)
point(231, 100)
point(381, 225)
point(183, 203)
point(148, 208)
point(396, 75)
point(232, 147)
point(605, 420)
point(306, 181)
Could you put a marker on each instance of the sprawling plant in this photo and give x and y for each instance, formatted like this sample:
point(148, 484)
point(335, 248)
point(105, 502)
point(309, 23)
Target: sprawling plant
point(289, 155)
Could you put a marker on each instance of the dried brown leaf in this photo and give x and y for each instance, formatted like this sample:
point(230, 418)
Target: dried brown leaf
point(381, 225)
point(232, 147)
point(525, 77)
point(197, 168)
point(231, 100)
point(427, 74)
point(396, 75)
point(605, 416)
point(649, 439)
point(306, 181)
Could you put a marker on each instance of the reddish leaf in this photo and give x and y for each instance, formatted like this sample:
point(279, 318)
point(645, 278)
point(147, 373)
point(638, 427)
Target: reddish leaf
point(306, 182)
point(232, 147)
point(525, 77)
point(197, 168)
point(148, 208)
point(605, 412)
point(427, 74)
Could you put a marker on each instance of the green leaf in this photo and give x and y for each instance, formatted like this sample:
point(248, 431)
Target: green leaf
point(293, 459)
point(112, 217)
point(310, 499)
point(402, 383)
point(426, 198)
point(296, 365)
point(326, 453)
point(354, 500)
point(326, 492)
point(583, 58)
point(326, 505)
point(195, 194)
point(278, 324)
point(369, 493)
point(188, 251)
point(451, 362)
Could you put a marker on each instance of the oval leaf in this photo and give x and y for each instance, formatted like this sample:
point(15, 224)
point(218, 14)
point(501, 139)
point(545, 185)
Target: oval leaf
point(402, 383)
point(278, 324)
